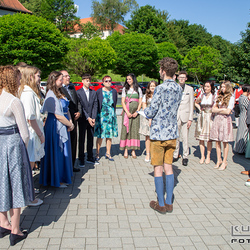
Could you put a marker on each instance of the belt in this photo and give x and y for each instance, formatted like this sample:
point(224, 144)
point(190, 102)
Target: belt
point(9, 130)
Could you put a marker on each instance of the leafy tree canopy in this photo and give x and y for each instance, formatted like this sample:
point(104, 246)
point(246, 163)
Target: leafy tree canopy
point(108, 13)
point(150, 21)
point(194, 34)
point(203, 61)
point(60, 12)
point(136, 53)
point(93, 56)
point(89, 30)
point(31, 39)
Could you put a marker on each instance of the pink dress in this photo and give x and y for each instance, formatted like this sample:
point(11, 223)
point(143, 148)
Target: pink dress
point(222, 128)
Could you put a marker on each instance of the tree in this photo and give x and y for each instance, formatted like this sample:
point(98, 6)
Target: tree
point(110, 12)
point(33, 40)
point(32, 5)
point(89, 30)
point(203, 61)
point(93, 56)
point(60, 12)
point(242, 62)
point(194, 34)
point(167, 49)
point(148, 20)
point(136, 53)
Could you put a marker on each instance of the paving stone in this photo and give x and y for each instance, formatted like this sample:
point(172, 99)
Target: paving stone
point(107, 206)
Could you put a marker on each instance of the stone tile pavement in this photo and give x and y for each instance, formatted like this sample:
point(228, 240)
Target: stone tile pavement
point(107, 207)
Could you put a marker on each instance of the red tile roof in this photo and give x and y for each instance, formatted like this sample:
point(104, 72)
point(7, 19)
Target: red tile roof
point(118, 27)
point(13, 5)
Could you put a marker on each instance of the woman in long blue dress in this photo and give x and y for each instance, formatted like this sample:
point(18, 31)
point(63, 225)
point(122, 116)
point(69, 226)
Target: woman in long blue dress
point(56, 166)
point(106, 121)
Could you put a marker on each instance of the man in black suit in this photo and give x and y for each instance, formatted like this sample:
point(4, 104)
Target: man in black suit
point(88, 100)
point(69, 91)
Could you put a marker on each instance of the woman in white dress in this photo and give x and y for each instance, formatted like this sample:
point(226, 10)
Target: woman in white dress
point(204, 103)
point(16, 184)
point(30, 97)
point(146, 123)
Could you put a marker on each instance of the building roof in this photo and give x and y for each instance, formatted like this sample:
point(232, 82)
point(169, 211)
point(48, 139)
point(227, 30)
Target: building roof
point(118, 27)
point(13, 5)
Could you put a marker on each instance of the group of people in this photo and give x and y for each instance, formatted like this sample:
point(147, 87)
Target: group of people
point(34, 129)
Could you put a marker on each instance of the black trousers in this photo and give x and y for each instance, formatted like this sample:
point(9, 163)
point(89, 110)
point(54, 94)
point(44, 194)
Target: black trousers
point(84, 127)
point(73, 139)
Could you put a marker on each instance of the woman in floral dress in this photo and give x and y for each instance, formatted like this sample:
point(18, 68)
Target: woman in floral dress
point(106, 121)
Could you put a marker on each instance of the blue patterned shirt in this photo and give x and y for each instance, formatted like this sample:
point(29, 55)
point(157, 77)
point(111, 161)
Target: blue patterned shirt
point(163, 111)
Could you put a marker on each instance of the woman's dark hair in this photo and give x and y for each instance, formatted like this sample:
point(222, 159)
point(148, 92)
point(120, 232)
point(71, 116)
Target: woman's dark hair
point(211, 85)
point(135, 83)
point(51, 84)
point(148, 91)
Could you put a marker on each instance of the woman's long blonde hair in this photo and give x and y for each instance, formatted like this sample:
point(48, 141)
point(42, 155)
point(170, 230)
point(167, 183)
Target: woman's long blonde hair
point(28, 78)
point(225, 97)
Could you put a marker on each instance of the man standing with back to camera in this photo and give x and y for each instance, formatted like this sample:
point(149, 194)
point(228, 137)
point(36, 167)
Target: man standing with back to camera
point(163, 132)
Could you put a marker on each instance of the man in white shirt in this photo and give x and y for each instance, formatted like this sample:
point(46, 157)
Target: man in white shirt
point(89, 104)
point(184, 117)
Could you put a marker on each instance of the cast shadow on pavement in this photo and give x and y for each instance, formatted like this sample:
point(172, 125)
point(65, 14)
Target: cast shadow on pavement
point(55, 204)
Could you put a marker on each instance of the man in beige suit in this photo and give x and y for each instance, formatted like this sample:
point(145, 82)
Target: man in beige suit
point(184, 117)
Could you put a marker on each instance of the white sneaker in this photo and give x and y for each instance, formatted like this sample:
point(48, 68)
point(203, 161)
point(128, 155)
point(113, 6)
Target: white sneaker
point(36, 202)
point(63, 185)
point(247, 184)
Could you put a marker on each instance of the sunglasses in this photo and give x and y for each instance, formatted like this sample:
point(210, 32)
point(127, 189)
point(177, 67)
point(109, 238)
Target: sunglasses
point(107, 81)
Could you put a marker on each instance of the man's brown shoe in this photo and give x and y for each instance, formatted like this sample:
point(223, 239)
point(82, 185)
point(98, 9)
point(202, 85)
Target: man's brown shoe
point(245, 172)
point(155, 205)
point(248, 180)
point(169, 208)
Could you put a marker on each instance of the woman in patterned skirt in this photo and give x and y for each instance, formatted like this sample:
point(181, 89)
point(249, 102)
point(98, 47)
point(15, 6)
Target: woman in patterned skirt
point(131, 103)
point(204, 103)
point(106, 120)
point(146, 123)
point(242, 131)
point(16, 183)
point(222, 128)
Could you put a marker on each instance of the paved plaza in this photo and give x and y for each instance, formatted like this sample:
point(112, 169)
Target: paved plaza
point(107, 207)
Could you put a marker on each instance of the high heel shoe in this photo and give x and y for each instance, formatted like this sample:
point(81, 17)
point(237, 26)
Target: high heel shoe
point(4, 232)
point(15, 238)
point(221, 167)
point(107, 156)
point(217, 165)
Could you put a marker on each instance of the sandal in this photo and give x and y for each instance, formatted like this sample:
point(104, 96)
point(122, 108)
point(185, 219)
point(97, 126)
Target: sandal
point(108, 156)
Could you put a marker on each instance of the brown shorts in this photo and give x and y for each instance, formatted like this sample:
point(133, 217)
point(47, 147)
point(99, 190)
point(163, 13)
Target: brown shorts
point(162, 152)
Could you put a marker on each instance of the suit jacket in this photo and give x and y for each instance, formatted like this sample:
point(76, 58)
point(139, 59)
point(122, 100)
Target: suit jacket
point(100, 99)
point(74, 104)
point(186, 108)
point(89, 108)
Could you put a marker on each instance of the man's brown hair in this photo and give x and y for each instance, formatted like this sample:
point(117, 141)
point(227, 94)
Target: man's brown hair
point(183, 72)
point(169, 65)
point(86, 76)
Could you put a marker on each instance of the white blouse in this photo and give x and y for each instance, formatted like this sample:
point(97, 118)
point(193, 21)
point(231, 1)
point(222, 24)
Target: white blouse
point(11, 113)
point(32, 107)
point(144, 99)
point(207, 101)
point(130, 91)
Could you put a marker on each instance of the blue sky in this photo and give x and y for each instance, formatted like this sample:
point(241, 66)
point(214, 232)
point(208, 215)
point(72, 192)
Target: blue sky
point(226, 18)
